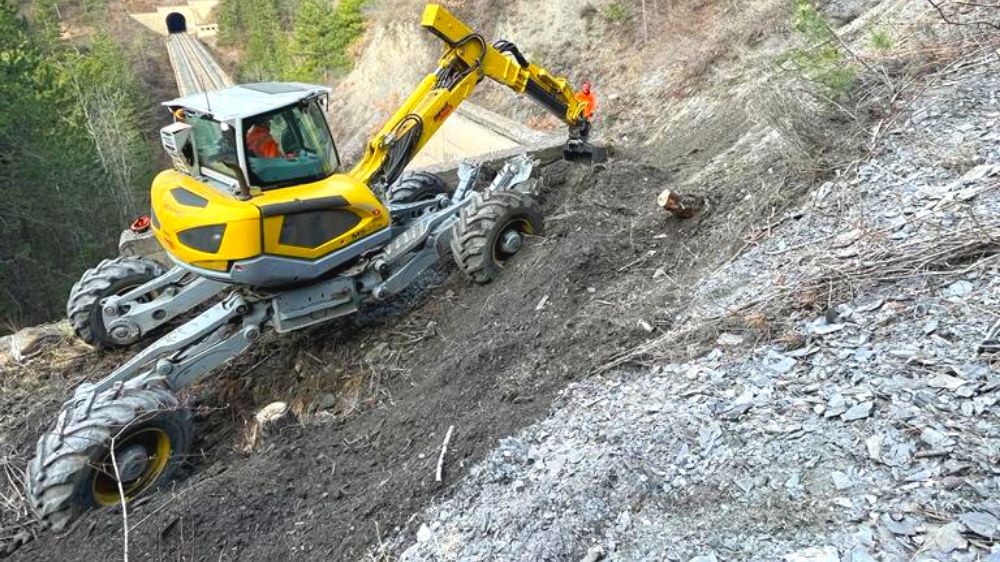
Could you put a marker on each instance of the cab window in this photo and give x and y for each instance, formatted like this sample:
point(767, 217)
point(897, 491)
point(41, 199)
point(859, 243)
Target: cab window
point(290, 146)
point(214, 145)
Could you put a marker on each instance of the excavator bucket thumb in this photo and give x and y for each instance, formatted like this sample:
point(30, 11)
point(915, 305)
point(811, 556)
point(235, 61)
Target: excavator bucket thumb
point(584, 152)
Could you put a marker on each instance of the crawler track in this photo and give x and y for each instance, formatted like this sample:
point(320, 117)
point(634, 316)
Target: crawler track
point(194, 68)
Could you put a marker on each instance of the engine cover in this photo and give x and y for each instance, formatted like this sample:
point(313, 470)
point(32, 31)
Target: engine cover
point(279, 237)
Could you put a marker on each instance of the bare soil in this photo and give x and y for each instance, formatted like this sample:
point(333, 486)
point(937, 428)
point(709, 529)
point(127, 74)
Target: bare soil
point(378, 391)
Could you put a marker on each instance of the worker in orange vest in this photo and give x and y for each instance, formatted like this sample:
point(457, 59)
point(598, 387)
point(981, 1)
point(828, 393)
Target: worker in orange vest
point(260, 143)
point(586, 96)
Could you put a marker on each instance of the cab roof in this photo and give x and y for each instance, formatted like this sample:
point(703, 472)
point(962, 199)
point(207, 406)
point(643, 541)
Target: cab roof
point(247, 100)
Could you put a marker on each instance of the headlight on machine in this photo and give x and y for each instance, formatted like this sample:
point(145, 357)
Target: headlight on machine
point(203, 238)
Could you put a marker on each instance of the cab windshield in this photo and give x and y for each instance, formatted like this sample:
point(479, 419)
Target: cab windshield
point(289, 146)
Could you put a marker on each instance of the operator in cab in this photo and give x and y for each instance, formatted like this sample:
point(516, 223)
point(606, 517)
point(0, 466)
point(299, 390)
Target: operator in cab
point(260, 143)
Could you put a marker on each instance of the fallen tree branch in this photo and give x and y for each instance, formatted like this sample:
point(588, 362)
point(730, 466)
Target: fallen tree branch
point(444, 449)
point(121, 496)
point(940, 10)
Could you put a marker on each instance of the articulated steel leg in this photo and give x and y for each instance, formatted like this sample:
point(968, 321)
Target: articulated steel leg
point(129, 316)
point(468, 173)
point(416, 249)
point(402, 277)
point(194, 349)
point(515, 171)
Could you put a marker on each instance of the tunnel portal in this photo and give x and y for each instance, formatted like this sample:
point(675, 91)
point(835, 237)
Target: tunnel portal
point(176, 23)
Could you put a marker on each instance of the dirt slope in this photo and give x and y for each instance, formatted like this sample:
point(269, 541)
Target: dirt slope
point(378, 391)
point(484, 359)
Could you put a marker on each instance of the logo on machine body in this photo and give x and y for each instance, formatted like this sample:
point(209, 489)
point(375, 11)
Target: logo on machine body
point(444, 112)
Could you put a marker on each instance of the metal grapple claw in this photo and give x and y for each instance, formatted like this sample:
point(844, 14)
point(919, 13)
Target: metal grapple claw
point(585, 152)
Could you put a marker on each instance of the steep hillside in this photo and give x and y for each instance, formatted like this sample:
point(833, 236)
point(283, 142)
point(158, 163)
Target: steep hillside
point(640, 67)
point(802, 372)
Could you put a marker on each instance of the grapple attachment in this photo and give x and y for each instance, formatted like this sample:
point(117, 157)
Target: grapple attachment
point(584, 152)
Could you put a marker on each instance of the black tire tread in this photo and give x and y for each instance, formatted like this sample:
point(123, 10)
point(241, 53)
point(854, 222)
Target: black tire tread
point(489, 210)
point(85, 427)
point(88, 291)
point(416, 186)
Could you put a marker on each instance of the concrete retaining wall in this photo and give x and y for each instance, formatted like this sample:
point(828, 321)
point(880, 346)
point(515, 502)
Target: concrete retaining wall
point(479, 134)
point(197, 14)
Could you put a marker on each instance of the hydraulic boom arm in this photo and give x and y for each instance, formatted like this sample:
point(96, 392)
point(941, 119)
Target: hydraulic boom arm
point(467, 59)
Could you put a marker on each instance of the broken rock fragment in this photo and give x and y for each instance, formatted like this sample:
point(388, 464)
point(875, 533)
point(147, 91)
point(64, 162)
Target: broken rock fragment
point(814, 554)
point(906, 526)
point(858, 411)
point(945, 539)
point(982, 524)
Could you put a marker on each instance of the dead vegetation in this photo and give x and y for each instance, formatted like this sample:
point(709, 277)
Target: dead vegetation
point(810, 136)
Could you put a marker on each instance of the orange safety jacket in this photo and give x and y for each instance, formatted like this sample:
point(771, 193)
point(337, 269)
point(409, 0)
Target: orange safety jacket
point(589, 101)
point(261, 144)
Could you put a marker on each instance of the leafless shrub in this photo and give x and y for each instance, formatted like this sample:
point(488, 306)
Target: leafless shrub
point(700, 43)
point(802, 124)
point(964, 13)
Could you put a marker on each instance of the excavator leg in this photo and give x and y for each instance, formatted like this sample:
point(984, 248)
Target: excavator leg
point(125, 434)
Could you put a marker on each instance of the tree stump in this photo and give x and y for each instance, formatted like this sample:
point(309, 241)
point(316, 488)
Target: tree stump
point(268, 422)
point(680, 205)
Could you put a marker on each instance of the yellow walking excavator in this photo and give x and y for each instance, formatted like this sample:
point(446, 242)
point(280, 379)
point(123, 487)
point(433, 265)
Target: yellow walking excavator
point(259, 220)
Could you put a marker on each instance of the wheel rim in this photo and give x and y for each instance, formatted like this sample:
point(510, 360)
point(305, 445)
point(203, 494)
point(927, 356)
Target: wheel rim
point(504, 246)
point(142, 457)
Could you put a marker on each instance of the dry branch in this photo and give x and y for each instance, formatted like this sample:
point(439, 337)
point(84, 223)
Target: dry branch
point(939, 6)
point(121, 497)
point(444, 449)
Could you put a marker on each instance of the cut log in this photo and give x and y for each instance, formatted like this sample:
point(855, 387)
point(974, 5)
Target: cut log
point(681, 205)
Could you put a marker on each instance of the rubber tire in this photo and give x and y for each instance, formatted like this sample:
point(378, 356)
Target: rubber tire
point(481, 223)
point(417, 186)
point(109, 277)
point(58, 479)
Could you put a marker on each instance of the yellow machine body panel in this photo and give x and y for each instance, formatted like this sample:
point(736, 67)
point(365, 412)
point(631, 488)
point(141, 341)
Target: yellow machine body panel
point(371, 216)
point(304, 222)
point(173, 213)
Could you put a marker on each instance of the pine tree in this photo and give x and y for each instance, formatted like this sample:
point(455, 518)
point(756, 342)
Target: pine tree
point(267, 50)
point(231, 26)
point(324, 35)
point(314, 30)
point(63, 178)
point(349, 25)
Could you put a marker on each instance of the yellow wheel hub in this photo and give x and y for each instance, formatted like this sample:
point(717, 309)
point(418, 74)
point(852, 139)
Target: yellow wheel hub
point(504, 248)
point(141, 456)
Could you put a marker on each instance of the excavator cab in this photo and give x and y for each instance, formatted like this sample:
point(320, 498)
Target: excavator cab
point(263, 136)
point(255, 196)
